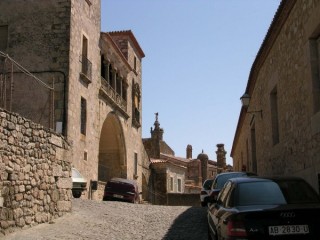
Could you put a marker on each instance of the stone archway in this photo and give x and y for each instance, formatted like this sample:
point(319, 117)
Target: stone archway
point(112, 153)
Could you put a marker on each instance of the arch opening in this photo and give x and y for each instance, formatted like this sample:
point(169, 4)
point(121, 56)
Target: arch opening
point(112, 157)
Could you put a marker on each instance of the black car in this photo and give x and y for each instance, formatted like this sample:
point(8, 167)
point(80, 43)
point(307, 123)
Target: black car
point(221, 179)
point(265, 208)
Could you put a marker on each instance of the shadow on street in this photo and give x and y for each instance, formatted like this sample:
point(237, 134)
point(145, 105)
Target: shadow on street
point(190, 225)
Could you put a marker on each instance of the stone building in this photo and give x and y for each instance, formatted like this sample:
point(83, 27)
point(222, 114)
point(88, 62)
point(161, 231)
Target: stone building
point(171, 174)
point(91, 84)
point(278, 132)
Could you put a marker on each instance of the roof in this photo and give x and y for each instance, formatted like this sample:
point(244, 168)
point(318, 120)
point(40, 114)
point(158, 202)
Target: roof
point(171, 157)
point(158, 160)
point(167, 161)
point(106, 36)
point(276, 25)
point(132, 38)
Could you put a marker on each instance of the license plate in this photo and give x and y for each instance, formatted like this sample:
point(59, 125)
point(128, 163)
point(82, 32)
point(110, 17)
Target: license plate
point(288, 229)
point(117, 196)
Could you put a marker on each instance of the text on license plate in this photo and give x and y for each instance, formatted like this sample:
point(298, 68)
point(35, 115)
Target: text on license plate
point(117, 196)
point(288, 229)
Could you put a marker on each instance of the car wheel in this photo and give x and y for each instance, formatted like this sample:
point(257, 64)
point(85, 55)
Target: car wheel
point(76, 194)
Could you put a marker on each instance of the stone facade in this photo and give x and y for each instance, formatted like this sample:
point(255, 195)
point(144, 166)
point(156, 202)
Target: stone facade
point(279, 133)
point(96, 102)
point(35, 181)
point(177, 175)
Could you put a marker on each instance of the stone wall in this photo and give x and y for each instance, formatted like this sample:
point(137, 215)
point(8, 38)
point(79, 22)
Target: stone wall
point(282, 87)
point(35, 182)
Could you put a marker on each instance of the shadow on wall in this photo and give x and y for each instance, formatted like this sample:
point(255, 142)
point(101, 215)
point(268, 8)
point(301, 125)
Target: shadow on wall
point(190, 225)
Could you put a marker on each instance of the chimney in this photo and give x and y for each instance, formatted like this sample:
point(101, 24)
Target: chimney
point(221, 157)
point(189, 151)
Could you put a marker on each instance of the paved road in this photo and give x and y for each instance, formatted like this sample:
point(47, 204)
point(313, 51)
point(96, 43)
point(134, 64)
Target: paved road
point(121, 221)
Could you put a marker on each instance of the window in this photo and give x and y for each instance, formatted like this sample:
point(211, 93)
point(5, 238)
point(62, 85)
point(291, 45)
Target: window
point(255, 193)
point(274, 116)
point(3, 38)
point(110, 74)
point(136, 98)
point(135, 63)
point(83, 116)
point(103, 68)
point(86, 65)
point(85, 155)
point(171, 184)
point(179, 185)
point(84, 47)
point(224, 193)
point(136, 164)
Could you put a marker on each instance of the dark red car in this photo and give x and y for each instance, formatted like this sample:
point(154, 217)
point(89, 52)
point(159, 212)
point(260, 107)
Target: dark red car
point(121, 189)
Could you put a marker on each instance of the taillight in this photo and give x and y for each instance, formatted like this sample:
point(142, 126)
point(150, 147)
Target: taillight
point(236, 228)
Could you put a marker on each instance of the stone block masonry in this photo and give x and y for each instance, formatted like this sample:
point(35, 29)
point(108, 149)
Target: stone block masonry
point(35, 173)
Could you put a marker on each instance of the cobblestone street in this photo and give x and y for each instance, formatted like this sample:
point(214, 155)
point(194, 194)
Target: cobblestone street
point(121, 221)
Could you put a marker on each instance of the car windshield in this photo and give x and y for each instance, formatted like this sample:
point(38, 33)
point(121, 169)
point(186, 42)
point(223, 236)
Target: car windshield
point(222, 179)
point(76, 174)
point(207, 184)
point(269, 192)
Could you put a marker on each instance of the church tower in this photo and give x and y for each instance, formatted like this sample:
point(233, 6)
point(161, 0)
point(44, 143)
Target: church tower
point(157, 137)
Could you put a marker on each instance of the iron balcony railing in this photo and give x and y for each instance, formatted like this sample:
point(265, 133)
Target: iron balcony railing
point(86, 67)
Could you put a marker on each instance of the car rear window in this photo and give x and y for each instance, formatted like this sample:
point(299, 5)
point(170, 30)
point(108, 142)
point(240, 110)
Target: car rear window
point(120, 186)
point(298, 191)
point(280, 192)
point(259, 193)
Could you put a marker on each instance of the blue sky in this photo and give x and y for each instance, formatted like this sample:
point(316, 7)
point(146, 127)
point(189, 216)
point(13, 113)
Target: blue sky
point(198, 57)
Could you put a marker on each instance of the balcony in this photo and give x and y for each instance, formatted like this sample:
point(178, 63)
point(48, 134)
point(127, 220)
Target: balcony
point(86, 69)
point(108, 93)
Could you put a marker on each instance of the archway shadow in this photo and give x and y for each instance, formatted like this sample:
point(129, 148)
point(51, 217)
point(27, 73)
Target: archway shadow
point(190, 225)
